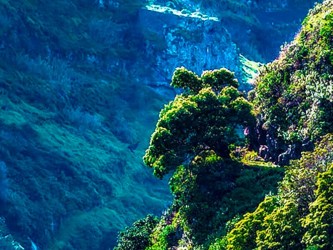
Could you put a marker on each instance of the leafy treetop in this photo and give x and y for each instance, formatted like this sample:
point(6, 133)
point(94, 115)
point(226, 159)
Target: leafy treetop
point(216, 79)
point(208, 116)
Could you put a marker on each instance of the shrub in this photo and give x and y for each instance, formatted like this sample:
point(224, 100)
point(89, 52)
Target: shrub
point(137, 237)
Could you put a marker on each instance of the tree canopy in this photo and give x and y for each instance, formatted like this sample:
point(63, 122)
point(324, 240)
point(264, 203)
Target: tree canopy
point(200, 138)
point(209, 115)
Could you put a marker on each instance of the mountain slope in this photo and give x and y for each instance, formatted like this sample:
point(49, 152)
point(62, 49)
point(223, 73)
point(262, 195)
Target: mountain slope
point(70, 132)
point(215, 172)
point(79, 91)
point(294, 100)
point(293, 94)
point(258, 28)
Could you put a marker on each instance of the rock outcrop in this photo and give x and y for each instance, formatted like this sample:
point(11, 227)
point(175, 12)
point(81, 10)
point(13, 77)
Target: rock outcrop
point(183, 38)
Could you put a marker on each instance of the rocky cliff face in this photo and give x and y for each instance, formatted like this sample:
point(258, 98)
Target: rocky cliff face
point(276, 22)
point(202, 35)
point(258, 28)
point(183, 38)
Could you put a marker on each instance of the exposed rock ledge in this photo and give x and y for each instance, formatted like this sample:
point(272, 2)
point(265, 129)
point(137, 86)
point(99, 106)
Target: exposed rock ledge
point(183, 38)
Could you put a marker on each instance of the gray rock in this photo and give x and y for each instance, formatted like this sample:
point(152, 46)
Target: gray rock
point(183, 38)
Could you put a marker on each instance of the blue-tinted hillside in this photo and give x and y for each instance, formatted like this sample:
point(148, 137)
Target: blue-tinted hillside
point(81, 84)
point(73, 124)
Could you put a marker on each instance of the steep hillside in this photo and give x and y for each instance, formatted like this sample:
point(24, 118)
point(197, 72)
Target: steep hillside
point(71, 127)
point(299, 216)
point(209, 139)
point(294, 97)
point(81, 83)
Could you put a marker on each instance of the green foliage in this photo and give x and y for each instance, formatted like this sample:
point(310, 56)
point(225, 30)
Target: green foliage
point(137, 237)
point(319, 222)
point(210, 192)
point(47, 80)
point(163, 238)
point(185, 79)
point(193, 140)
point(218, 79)
point(300, 178)
point(198, 140)
point(245, 231)
point(270, 226)
point(198, 121)
point(196, 187)
point(281, 228)
point(293, 94)
point(301, 213)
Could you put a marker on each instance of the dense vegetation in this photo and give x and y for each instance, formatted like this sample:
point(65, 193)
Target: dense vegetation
point(75, 118)
point(202, 138)
point(293, 95)
point(300, 215)
point(205, 118)
point(217, 177)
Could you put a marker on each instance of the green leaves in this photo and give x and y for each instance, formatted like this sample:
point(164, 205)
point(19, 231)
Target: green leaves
point(192, 141)
point(293, 94)
point(319, 222)
point(137, 237)
point(185, 79)
point(244, 234)
point(281, 228)
point(202, 119)
point(301, 215)
point(218, 79)
point(215, 79)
